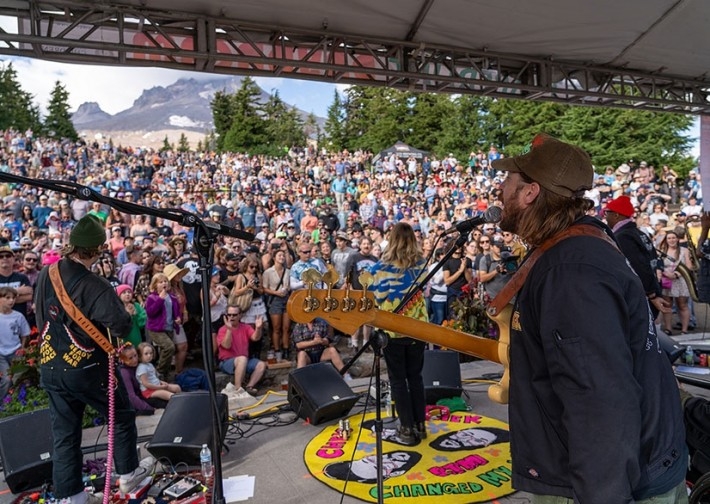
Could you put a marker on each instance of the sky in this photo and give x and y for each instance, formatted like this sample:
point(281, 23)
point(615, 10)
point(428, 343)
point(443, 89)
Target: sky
point(116, 88)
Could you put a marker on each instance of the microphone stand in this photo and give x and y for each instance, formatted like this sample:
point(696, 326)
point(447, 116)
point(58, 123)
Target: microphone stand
point(206, 234)
point(460, 242)
point(378, 340)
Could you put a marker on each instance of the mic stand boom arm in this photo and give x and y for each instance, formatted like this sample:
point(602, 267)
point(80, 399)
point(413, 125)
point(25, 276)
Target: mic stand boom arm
point(205, 236)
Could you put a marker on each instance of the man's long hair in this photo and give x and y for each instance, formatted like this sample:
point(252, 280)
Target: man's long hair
point(550, 214)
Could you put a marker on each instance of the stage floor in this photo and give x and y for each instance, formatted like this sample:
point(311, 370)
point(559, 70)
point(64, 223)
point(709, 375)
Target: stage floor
point(271, 447)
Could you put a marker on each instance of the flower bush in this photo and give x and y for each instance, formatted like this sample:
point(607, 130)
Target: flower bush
point(26, 395)
point(469, 314)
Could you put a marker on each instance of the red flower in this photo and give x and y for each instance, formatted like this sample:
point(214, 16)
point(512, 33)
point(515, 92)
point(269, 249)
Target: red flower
point(20, 352)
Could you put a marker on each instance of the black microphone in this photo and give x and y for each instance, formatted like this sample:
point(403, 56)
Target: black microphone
point(493, 214)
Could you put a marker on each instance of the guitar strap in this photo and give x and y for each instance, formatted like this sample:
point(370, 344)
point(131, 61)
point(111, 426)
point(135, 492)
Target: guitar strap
point(75, 314)
point(518, 279)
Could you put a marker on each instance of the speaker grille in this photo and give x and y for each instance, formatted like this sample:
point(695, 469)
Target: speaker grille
point(442, 375)
point(319, 394)
point(26, 450)
point(185, 426)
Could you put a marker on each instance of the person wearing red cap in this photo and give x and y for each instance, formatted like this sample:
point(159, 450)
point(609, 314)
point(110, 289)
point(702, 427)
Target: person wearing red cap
point(638, 249)
point(595, 413)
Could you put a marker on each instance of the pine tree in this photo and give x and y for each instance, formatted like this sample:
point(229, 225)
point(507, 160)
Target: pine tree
point(283, 126)
point(166, 145)
point(58, 123)
point(183, 144)
point(247, 129)
point(222, 106)
point(18, 111)
point(335, 123)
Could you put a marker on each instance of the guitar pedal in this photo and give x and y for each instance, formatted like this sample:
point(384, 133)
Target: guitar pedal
point(183, 488)
point(160, 485)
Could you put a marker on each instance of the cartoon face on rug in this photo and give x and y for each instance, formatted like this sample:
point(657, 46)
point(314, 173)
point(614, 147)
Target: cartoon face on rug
point(470, 438)
point(364, 470)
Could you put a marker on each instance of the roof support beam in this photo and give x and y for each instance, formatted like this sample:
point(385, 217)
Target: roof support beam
point(99, 33)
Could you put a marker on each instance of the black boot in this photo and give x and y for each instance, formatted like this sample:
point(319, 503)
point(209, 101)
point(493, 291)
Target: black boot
point(406, 436)
point(420, 430)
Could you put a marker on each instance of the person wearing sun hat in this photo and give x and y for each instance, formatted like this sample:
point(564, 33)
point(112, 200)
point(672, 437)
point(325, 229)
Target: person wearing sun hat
point(73, 368)
point(588, 377)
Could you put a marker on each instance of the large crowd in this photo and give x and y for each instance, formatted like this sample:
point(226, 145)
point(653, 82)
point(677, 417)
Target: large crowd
point(309, 208)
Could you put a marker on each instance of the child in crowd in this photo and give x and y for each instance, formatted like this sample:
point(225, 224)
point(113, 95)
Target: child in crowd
point(137, 313)
point(164, 317)
point(151, 385)
point(14, 333)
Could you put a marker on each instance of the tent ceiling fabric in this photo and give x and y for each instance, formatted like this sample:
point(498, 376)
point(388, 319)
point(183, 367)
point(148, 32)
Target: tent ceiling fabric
point(651, 46)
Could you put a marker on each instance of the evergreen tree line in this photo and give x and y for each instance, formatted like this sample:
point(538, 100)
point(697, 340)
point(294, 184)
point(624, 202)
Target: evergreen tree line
point(20, 113)
point(374, 118)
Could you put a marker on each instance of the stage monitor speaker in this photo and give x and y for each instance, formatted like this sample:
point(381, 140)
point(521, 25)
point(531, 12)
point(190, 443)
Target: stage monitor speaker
point(442, 375)
point(318, 393)
point(185, 426)
point(26, 450)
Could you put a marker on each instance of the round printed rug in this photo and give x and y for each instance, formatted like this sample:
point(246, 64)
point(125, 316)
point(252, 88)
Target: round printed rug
point(465, 458)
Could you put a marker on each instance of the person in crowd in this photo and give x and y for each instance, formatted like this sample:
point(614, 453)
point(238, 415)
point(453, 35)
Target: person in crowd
point(175, 275)
point(314, 343)
point(153, 265)
point(14, 334)
point(438, 304)
point(674, 287)
point(74, 379)
point(557, 397)
point(251, 279)
point(360, 261)
point(129, 272)
point(277, 286)
point(341, 257)
point(638, 249)
point(494, 271)
point(129, 363)
point(164, 317)
point(177, 245)
point(457, 273)
point(151, 385)
point(233, 341)
point(137, 313)
point(105, 267)
point(218, 303)
point(401, 264)
point(11, 278)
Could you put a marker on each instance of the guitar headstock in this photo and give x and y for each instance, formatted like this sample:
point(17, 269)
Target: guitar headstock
point(344, 309)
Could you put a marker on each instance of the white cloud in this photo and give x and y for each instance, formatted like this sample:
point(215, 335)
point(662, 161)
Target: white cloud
point(184, 122)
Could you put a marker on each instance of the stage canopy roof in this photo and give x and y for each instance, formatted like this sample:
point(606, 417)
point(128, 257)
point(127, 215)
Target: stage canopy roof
point(644, 54)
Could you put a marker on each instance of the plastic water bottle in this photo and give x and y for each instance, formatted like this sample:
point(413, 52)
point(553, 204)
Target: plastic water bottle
point(689, 356)
point(206, 461)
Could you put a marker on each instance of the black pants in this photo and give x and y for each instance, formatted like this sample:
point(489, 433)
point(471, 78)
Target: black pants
point(405, 361)
point(69, 392)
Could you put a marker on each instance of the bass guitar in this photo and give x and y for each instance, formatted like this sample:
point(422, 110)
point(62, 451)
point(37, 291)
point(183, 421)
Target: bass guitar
point(347, 310)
